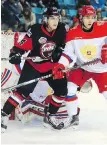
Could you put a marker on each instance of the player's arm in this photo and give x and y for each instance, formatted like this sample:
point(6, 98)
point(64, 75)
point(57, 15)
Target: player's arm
point(60, 47)
point(20, 48)
point(104, 47)
point(68, 58)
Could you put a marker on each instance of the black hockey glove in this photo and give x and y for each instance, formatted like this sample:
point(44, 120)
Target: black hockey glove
point(15, 58)
point(57, 54)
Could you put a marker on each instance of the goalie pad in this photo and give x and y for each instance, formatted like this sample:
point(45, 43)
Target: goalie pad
point(31, 109)
point(41, 91)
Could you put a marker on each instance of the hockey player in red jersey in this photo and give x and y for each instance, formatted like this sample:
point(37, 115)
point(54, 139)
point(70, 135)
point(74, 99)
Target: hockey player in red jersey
point(84, 42)
point(45, 42)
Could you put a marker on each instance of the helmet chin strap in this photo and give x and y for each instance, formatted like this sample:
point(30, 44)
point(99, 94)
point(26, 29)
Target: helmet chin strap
point(85, 29)
point(83, 26)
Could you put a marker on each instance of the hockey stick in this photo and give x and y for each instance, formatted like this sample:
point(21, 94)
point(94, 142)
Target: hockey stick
point(47, 76)
point(35, 58)
point(92, 62)
point(25, 83)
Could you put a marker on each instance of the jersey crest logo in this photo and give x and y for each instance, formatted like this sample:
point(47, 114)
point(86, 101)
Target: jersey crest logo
point(88, 51)
point(47, 49)
point(42, 40)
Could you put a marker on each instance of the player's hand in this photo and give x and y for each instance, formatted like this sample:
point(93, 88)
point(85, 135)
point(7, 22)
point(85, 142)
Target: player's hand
point(15, 58)
point(104, 54)
point(57, 71)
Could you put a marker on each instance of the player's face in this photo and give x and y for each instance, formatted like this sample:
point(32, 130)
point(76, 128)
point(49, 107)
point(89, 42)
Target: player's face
point(88, 21)
point(53, 22)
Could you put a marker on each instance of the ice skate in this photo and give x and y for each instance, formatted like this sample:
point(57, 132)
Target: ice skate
point(51, 122)
point(72, 121)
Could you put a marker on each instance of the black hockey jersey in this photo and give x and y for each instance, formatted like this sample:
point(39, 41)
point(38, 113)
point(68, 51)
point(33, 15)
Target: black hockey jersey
point(42, 44)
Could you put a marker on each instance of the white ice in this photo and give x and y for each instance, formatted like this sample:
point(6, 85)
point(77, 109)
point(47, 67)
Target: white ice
point(92, 129)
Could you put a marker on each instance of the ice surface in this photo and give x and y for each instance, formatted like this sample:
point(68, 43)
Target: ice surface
point(92, 129)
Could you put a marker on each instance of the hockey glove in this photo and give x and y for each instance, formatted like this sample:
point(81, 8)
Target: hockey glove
point(57, 54)
point(57, 71)
point(104, 54)
point(15, 58)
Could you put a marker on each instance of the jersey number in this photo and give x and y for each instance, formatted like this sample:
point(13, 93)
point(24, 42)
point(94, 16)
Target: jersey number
point(22, 41)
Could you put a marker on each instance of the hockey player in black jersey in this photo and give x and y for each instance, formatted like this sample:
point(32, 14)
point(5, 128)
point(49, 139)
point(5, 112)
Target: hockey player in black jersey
point(45, 42)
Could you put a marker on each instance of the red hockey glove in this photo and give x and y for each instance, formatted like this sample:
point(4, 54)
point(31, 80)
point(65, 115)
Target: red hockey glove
point(57, 71)
point(104, 54)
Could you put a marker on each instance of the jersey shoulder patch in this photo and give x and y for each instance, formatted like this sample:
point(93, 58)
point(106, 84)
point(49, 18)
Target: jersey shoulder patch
point(33, 29)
